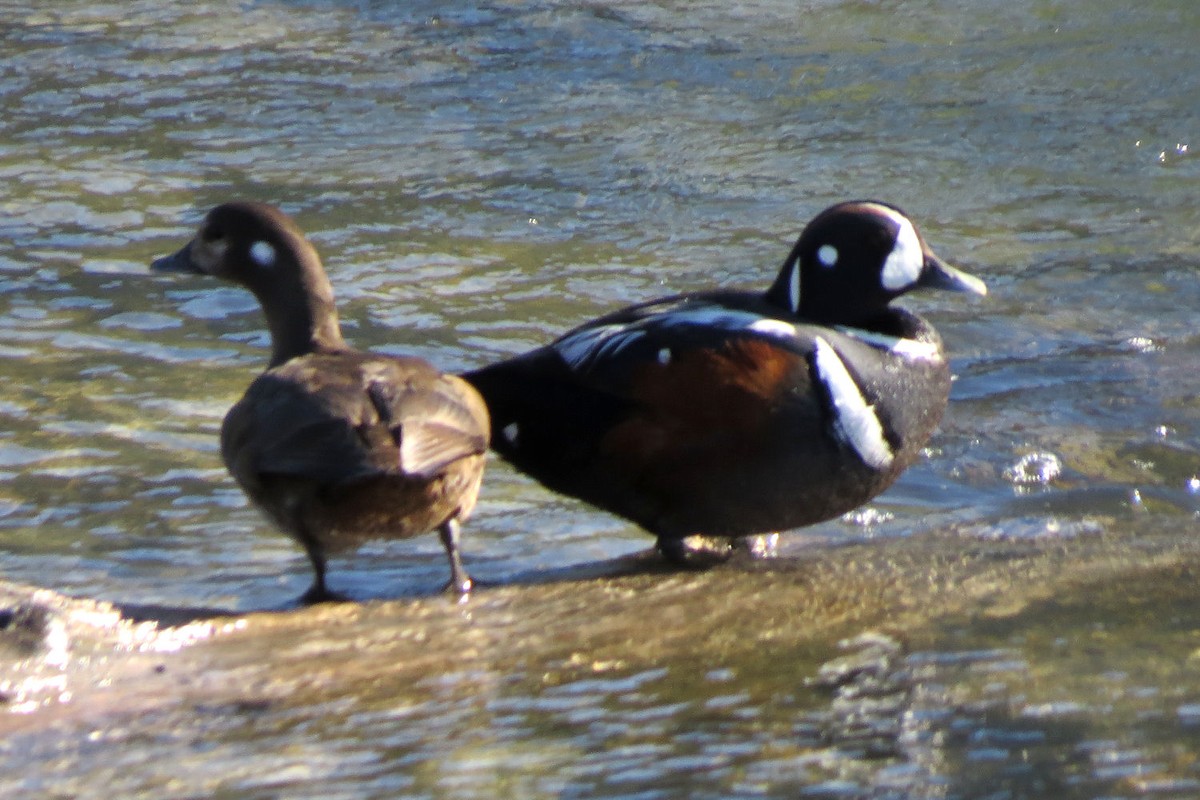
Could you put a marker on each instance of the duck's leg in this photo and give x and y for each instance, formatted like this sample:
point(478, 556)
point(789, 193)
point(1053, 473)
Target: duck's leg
point(460, 581)
point(318, 592)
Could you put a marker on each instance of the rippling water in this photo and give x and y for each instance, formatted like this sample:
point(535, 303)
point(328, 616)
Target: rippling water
point(479, 177)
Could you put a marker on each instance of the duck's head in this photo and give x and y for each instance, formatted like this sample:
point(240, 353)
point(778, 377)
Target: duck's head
point(854, 258)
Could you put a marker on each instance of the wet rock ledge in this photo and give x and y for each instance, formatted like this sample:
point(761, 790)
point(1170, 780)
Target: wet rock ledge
point(63, 657)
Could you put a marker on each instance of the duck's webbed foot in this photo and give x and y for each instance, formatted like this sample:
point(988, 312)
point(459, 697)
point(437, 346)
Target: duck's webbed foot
point(697, 551)
point(701, 551)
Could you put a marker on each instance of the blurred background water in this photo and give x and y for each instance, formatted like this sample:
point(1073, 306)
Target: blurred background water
point(481, 176)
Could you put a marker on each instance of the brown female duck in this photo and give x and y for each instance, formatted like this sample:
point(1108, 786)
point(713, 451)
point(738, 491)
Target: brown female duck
point(335, 445)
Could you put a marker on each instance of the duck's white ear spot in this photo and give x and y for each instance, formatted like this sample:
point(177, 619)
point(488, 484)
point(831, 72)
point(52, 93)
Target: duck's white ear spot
point(263, 254)
point(903, 265)
point(827, 254)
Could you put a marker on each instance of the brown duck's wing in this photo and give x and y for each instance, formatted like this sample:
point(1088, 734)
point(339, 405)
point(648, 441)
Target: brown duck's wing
point(315, 431)
point(434, 419)
point(340, 418)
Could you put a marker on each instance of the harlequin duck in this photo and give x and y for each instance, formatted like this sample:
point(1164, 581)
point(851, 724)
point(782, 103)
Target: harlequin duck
point(335, 445)
point(711, 416)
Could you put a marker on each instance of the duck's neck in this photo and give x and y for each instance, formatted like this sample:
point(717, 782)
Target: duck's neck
point(899, 323)
point(301, 315)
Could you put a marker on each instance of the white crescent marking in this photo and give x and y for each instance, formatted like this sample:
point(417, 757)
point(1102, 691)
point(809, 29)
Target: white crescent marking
point(794, 287)
point(855, 421)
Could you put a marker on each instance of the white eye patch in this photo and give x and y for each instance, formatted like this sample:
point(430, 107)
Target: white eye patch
point(263, 254)
point(855, 421)
point(903, 265)
point(827, 254)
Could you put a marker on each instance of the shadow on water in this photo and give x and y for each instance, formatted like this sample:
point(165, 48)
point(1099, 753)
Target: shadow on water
point(647, 562)
point(641, 563)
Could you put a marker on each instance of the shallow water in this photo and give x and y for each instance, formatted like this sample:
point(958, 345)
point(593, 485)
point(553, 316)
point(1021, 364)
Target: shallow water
point(480, 177)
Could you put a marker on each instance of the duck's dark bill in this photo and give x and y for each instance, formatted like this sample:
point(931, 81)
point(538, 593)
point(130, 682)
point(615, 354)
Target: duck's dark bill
point(937, 274)
point(176, 262)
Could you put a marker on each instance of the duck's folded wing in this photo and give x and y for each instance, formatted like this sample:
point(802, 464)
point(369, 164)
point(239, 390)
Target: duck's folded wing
point(281, 429)
point(432, 424)
point(612, 352)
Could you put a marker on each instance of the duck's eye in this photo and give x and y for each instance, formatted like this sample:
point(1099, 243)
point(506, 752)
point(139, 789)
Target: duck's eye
point(212, 234)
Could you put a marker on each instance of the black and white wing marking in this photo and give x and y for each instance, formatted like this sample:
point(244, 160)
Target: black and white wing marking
point(654, 334)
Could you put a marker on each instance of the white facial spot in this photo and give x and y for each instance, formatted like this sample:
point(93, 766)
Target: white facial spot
point(262, 253)
point(664, 356)
point(903, 265)
point(855, 421)
point(511, 430)
point(827, 254)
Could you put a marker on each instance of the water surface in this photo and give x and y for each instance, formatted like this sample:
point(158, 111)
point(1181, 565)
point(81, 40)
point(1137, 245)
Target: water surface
point(479, 177)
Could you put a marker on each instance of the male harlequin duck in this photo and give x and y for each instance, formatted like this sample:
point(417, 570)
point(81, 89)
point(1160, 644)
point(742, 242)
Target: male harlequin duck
point(710, 416)
point(337, 446)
